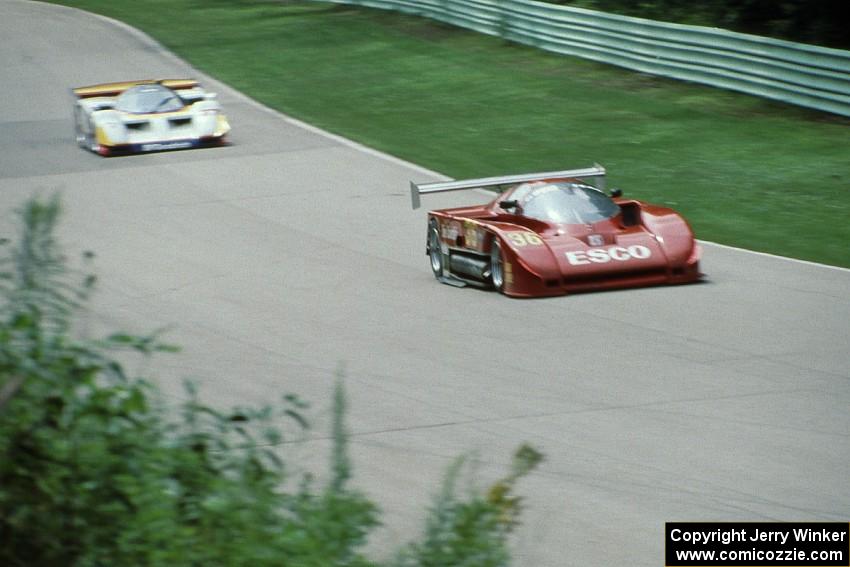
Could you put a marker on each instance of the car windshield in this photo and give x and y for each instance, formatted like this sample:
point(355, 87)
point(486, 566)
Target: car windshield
point(565, 202)
point(146, 99)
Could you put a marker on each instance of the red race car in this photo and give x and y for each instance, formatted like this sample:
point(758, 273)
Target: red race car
point(554, 233)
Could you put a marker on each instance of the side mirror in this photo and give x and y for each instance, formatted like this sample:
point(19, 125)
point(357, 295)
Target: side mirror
point(511, 204)
point(616, 193)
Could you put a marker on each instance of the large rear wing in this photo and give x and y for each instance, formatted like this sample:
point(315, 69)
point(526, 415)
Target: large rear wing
point(114, 89)
point(597, 173)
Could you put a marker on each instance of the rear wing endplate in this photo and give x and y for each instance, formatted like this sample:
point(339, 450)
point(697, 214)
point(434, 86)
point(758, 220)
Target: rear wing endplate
point(597, 173)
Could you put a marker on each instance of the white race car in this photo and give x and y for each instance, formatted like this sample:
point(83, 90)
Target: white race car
point(147, 116)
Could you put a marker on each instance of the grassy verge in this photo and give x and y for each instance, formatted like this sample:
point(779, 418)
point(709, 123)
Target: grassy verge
point(746, 172)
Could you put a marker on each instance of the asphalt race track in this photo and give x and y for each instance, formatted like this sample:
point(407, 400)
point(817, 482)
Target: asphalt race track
point(290, 253)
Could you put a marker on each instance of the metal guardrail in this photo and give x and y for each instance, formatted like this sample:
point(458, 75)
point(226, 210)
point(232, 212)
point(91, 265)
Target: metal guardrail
point(800, 74)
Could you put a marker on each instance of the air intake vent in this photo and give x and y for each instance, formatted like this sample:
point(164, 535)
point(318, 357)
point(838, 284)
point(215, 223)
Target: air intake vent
point(635, 277)
point(631, 214)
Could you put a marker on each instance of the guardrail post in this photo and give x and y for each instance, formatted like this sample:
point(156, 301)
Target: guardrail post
point(502, 26)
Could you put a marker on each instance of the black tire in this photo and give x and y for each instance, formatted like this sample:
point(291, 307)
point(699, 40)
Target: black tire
point(435, 253)
point(497, 266)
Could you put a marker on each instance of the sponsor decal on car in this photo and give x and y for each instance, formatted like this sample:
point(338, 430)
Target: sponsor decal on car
point(521, 239)
point(472, 235)
point(450, 230)
point(156, 146)
point(509, 273)
point(605, 255)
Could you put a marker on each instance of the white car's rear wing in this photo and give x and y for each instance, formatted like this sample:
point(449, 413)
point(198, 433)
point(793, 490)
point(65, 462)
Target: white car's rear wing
point(597, 172)
point(114, 89)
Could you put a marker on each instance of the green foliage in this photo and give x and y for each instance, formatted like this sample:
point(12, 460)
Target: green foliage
point(471, 531)
point(94, 472)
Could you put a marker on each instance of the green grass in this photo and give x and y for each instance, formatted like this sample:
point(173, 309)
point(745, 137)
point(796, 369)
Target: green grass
point(745, 171)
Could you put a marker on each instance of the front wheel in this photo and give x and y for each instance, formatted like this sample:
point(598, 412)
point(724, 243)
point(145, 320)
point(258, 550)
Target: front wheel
point(435, 254)
point(497, 266)
point(79, 131)
point(93, 143)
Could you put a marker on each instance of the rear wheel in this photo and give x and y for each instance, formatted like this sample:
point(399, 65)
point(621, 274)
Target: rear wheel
point(497, 266)
point(435, 253)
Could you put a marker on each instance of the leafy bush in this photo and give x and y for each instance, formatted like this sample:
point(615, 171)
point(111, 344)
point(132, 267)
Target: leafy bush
point(95, 472)
point(471, 532)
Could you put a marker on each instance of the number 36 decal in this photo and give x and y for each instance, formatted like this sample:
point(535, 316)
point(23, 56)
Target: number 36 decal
point(524, 239)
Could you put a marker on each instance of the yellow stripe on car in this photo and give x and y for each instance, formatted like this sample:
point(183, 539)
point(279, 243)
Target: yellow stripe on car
point(101, 137)
point(222, 127)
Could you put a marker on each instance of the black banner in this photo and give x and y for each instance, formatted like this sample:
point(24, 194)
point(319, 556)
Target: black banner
point(757, 544)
